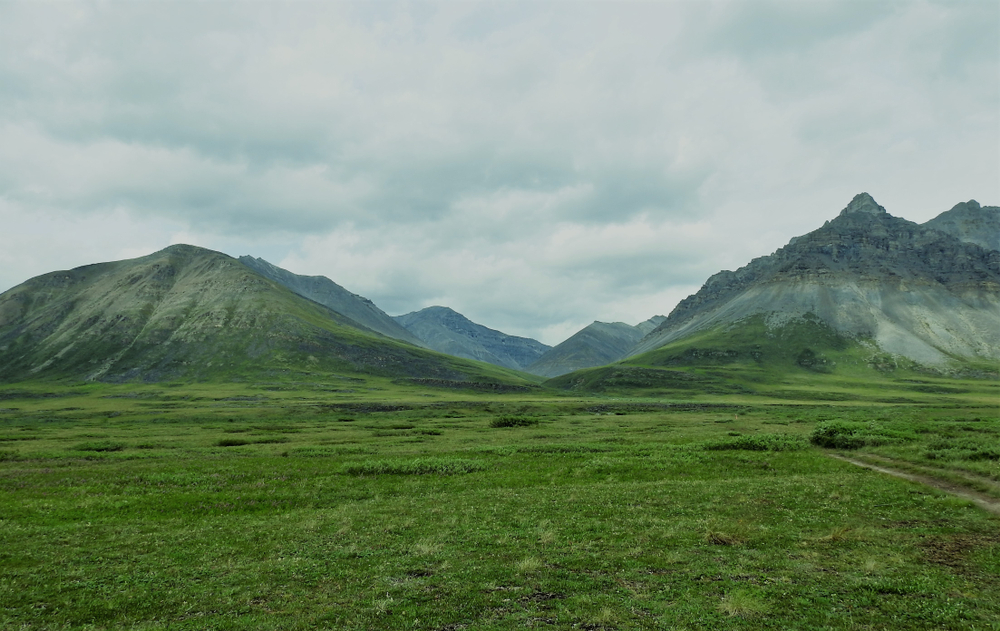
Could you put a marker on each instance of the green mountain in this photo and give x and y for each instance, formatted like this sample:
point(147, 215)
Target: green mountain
point(329, 294)
point(195, 314)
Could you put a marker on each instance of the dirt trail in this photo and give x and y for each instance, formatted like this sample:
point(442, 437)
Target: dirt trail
point(982, 500)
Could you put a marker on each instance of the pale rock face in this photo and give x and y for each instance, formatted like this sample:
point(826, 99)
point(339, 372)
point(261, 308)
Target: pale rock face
point(930, 293)
point(972, 223)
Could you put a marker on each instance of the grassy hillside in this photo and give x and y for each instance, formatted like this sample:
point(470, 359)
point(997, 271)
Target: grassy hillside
point(801, 359)
point(193, 314)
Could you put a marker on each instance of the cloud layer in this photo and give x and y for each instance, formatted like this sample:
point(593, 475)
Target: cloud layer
point(535, 166)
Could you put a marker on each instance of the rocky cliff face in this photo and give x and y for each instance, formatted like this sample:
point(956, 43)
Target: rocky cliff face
point(448, 331)
point(915, 291)
point(971, 223)
point(329, 294)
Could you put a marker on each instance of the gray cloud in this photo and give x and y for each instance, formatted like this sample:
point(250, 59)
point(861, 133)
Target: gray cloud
point(534, 165)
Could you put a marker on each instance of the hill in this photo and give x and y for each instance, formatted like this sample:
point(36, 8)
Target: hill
point(195, 314)
point(595, 345)
point(329, 294)
point(448, 331)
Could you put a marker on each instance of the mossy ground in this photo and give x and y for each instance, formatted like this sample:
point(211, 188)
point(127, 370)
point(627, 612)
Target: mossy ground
point(366, 503)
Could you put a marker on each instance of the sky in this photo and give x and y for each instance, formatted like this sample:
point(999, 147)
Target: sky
point(535, 166)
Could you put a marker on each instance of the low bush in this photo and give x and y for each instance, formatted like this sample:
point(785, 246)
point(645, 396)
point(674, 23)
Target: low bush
point(513, 421)
point(103, 445)
point(838, 435)
point(757, 442)
point(423, 466)
point(232, 442)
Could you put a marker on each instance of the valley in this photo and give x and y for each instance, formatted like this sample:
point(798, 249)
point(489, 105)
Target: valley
point(194, 441)
point(360, 503)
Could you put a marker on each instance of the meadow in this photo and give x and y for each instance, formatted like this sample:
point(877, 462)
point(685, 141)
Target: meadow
point(370, 504)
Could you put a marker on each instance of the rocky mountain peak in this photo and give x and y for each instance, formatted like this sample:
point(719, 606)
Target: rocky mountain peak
point(863, 203)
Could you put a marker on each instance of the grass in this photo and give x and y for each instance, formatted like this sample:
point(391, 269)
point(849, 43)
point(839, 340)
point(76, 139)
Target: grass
point(274, 506)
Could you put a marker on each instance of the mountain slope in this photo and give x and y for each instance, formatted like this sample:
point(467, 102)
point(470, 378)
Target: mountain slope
point(448, 331)
point(971, 223)
point(191, 313)
point(907, 290)
point(329, 294)
point(596, 344)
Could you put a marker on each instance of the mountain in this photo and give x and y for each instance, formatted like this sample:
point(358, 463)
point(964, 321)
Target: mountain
point(595, 345)
point(190, 313)
point(448, 331)
point(329, 294)
point(866, 280)
point(971, 223)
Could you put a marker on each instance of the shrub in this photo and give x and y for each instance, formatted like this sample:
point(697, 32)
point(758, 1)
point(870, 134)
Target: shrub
point(103, 445)
point(838, 435)
point(232, 442)
point(423, 466)
point(757, 442)
point(513, 421)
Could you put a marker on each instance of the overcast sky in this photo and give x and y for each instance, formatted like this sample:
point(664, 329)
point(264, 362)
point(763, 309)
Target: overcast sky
point(533, 165)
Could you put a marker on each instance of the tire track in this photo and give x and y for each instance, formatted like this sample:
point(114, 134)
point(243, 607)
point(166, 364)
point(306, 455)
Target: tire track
point(984, 501)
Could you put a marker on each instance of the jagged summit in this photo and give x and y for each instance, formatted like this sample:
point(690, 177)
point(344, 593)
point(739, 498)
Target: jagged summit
point(930, 293)
point(863, 203)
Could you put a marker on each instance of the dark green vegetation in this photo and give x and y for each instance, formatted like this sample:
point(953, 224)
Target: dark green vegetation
point(368, 504)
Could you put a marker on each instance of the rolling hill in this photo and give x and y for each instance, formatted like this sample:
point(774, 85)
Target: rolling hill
point(195, 314)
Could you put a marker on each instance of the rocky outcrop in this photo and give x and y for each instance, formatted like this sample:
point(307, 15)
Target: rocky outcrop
point(915, 291)
point(448, 331)
point(971, 223)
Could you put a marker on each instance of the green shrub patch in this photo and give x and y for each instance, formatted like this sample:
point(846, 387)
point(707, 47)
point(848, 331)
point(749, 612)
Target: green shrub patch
point(513, 421)
point(421, 466)
point(757, 442)
point(101, 445)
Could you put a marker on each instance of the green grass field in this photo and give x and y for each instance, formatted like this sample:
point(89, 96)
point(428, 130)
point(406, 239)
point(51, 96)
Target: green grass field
point(368, 504)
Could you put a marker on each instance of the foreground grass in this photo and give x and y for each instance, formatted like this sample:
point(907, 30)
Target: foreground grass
point(204, 507)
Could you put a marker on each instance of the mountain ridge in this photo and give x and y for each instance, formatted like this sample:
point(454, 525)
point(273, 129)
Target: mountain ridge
point(596, 344)
point(445, 330)
point(916, 291)
point(191, 313)
point(329, 294)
